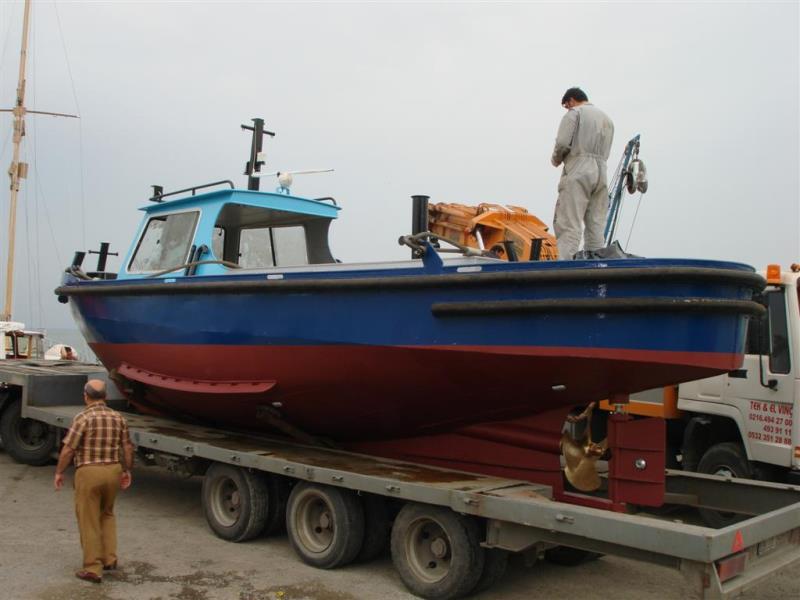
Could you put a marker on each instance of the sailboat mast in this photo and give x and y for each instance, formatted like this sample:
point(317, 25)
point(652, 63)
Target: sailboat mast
point(18, 170)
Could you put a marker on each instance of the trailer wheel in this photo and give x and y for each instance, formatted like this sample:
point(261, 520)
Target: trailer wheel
point(377, 527)
point(277, 497)
point(325, 524)
point(235, 502)
point(28, 441)
point(569, 557)
point(494, 568)
point(437, 551)
point(726, 460)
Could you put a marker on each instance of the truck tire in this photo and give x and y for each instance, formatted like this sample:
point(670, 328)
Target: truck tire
point(377, 527)
point(727, 459)
point(437, 551)
point(325, 524)
point(569, 557)
point(494, 567)
point(235, 502)
point(277, 497)
point(28, 441)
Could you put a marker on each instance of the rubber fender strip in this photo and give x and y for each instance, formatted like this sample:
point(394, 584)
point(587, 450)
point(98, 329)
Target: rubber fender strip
point(598, 305)
point(744, 279)
point(197, 386)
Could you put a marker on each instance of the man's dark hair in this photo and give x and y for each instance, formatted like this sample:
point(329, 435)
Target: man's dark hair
point(93, 393)
point(576, 94)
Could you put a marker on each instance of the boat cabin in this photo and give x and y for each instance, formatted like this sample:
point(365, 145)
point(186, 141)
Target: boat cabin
point(20, 343)
point(222, 231)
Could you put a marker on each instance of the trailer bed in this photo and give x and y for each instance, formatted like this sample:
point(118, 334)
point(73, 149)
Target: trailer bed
point(520, 515)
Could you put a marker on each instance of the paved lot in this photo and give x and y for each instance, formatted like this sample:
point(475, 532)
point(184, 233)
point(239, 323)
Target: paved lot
point(168, 552)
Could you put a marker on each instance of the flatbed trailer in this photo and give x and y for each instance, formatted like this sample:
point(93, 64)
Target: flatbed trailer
point(446, 524)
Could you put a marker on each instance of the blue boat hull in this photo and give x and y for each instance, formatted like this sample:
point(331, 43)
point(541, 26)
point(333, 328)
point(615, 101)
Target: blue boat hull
point(377, 354)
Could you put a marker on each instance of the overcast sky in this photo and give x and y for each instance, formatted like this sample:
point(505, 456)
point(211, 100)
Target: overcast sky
point(457, 101)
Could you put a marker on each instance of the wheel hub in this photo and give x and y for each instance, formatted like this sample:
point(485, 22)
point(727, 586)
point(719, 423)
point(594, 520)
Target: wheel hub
point(439, 547)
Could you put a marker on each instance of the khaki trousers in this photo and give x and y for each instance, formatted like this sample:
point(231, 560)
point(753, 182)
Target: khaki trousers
point(95, 491)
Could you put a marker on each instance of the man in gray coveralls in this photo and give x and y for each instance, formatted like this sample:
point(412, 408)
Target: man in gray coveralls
point(583, 144)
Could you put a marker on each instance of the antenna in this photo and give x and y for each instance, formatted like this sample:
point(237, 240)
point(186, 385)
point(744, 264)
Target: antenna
point(253, 166)
point(285, 178)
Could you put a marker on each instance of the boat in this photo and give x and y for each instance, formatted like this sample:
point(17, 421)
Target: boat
point(230, 308)
point(20, 342)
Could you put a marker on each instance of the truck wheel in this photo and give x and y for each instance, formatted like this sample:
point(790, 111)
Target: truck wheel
point(277, 497)
point(494, 568)
point(325, 524)
point(726, 460)
point(28, 441)
point(568, 557)
point(235, 502)
point(377, 527)
point(437, 551)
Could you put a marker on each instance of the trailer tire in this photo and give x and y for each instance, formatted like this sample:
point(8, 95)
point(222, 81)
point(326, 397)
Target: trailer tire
point(437, 551)
point(377, 527)
point(494, 568)
point(277, 498)
point(235, 502)
point(325, 524)
point(569, 557)
point(727, 459)
point(27, 441)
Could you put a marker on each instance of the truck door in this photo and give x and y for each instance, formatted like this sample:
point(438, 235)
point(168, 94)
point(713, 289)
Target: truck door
point(763, 388)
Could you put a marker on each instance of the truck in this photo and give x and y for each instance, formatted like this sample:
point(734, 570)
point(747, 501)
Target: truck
point(450, 532)
point(743, 423)
point(740, 424)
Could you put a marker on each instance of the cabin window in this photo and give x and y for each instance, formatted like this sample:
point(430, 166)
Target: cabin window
point(255, 248)
point(769, 335)
point(778, 333)
point(22, 346)
point(10, 350)
point(35, 349)
point(260, 238)
point(218, 242)
point(165, 242)
point(272, 247)
point(289, 246)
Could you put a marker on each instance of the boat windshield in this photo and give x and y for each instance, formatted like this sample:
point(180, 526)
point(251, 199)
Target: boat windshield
point(165, 242)
point(256, 238)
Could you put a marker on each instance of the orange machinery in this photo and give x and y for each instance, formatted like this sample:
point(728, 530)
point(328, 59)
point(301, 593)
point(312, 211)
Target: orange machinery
point(494, 227)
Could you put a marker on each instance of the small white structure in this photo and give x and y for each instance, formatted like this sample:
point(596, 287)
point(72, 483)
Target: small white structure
point(61, 352)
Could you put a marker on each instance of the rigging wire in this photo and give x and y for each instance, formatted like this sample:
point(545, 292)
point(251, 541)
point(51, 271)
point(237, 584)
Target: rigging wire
point(28, 271)
point(11, 21)
point(633, 223)
point(37, 259)
point(80, 125)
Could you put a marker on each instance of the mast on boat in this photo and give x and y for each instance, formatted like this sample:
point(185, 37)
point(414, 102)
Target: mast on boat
point(18, 170)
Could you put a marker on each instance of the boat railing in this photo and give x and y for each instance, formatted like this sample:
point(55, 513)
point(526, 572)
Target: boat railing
point(159, 195)
point(418, 243)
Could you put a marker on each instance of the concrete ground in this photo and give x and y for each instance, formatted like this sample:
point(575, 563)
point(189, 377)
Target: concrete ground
point(168, 552)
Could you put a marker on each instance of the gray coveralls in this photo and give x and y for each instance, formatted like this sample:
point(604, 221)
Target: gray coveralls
point(583, 145)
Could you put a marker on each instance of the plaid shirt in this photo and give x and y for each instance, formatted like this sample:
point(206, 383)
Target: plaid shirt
point(96, 435)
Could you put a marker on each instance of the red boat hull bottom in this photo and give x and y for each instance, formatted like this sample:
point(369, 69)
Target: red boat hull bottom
point(355, 393)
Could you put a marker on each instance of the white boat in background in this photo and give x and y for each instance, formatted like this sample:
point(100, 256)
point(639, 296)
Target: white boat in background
point(19, 342)
point(22, 343)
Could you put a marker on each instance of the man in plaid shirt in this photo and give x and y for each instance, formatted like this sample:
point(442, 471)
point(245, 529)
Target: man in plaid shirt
point(99, 445)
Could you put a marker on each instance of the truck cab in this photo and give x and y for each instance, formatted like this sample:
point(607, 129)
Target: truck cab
point(746, 423)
